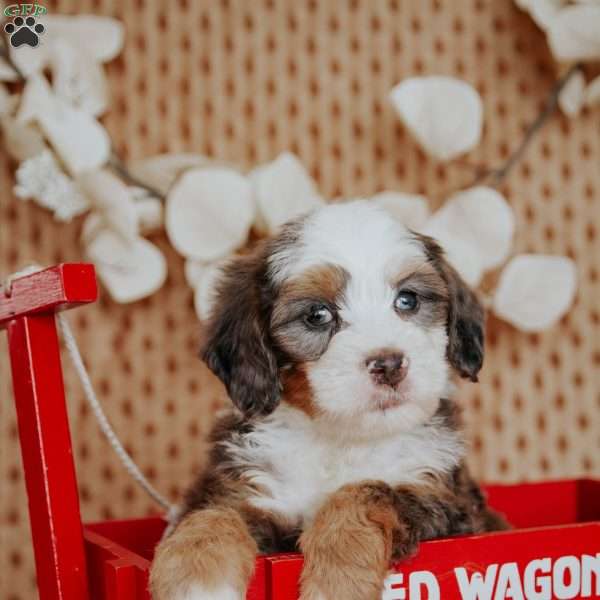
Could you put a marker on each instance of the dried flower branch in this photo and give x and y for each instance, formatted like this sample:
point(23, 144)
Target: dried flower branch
point(210, 208)
point(118, 166)
point(494, 177)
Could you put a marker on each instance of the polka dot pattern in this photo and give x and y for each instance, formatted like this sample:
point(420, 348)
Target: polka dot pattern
point(244, 81)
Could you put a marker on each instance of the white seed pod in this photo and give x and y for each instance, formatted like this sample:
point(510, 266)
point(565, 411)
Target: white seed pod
point(36, 99)
point(22, 141)
point(111, 198)
point(40, 178)
point(7, 73)
point(93, 224)
point(482, 217)
point(193, 271)
point(80, 141)
point(574, 33)
point(78, 79)
point(130, 270)
point(209, 213)
point(8, 102)
point(283, 190)
point(150, 213)
point(541, 11)
point(31, 60)
point(102, 37)
point(535, 291)
point(592, 92)
point(205, 289)
point(409, 209)
point(461, 254)
point(162, 171)
point(572, 96)
point(444, 114)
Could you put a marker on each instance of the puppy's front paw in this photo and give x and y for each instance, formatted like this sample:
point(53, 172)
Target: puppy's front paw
point(209, 556)
point(348, 547)
point(313, 595)
point(199, 592)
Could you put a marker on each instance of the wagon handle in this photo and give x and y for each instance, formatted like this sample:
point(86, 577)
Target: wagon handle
point(27, 311)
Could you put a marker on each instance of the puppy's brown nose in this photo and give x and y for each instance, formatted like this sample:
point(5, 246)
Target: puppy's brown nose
point(388, 368)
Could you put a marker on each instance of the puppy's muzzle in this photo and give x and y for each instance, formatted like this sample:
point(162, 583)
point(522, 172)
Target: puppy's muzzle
point(387, 368)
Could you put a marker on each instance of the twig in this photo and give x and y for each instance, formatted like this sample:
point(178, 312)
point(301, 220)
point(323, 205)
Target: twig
point(494, 177)
point(118, 166)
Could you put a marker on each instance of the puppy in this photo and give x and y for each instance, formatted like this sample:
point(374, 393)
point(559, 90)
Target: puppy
point(336, 340)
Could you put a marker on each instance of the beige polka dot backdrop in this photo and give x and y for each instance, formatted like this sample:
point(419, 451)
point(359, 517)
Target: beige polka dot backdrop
point(243, 81)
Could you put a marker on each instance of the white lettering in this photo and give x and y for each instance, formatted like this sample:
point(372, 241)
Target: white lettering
point(564, 565)
point(423, 578)
point(478, 587)
point(537, 587)
point(509, 583)
point(565, 578)
point(590, 565)
point(391, 589)
point(394, 587)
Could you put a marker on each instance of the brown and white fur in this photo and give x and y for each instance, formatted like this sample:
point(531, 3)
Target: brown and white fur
point(336, 340)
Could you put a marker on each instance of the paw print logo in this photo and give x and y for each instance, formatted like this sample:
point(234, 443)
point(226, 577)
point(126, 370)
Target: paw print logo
point(24, 31)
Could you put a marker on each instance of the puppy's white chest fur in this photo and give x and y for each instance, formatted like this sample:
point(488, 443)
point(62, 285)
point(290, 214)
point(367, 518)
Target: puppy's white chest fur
point(296, 466)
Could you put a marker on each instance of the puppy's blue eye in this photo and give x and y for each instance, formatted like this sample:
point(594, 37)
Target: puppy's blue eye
point(318, 316)
point(406, 301)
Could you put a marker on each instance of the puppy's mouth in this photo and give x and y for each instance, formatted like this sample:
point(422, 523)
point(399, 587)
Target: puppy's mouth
point(384, 400)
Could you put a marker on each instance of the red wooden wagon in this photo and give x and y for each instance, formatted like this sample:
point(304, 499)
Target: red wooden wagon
point(554, 552)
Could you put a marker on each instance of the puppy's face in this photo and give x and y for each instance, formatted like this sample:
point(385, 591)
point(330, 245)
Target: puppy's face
point(348, 316)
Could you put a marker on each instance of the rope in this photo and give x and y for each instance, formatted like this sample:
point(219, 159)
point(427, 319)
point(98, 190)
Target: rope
point(92, 400)
point(105, 426)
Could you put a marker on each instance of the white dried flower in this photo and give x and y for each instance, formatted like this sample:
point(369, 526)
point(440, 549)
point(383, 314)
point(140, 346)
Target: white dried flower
point(574, 33)
point(78, 79)
point(209, 213)
point(162, 171)
point(101, 37)
point(7, 73)
point(444, 114)
point(41, 179)
point(283, 190)
point(22, 140)
point(572, 96)
point(150, 212)
point(481, 217)
point(130, 269)
point(112, 199)
point(592, 92)
point(80, 140)
point(461, 254)
point(193, 271)
point(535, 291)
point(541, 11)
point(410, 209)
point(205, 289)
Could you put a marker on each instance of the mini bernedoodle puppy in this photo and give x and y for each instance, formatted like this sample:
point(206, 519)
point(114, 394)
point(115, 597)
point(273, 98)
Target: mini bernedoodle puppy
point(337, 341)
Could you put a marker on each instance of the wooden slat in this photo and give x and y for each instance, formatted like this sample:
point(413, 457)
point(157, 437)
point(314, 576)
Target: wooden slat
point(56, 288)
point(47, 458)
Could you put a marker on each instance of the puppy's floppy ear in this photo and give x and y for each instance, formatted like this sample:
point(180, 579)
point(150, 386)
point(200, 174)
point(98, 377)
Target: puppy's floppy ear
point(466, 323)
point(237, 346)
point(466, 317)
